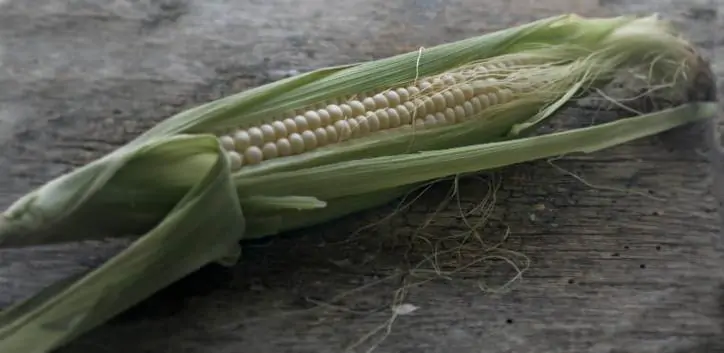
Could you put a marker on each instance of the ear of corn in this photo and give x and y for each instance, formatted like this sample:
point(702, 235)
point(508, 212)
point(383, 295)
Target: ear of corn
point(315, 147)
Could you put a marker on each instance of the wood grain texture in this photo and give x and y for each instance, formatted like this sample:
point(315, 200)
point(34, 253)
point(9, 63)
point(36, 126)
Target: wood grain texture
point(631, 265)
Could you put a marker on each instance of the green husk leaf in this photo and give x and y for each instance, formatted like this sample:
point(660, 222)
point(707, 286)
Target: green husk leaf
point(202, 227)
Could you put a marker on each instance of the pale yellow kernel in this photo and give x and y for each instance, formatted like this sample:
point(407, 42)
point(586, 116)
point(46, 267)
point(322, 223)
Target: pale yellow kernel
point(420, 123)
point(458, 95)
point(363, 126)
point(437, 83)
point(373, 121)
point(450, 116)
point(460, 114)
point(369, 103)
point(438, 101)
point(418, 108)
point(448, 80)
point(297, 143)
point(449, 98)
point(430, 120)
point(441, 119)
point(313, 119)
point(413, 91)
point(403, 94)
point(394, 116)
point(280, 129)
point(235, 160)
point(410, 106)
point(493, 98)
point(393, 99)
point(384, 119)
point(268, 131)
point(253, 155)
point(284, 147)
point(227, 142)
point(484, 101)
point(425, 86)
point(467, 91)
point(353, 127)
point(256, 136)
point(380, 101)
point(321, 134)
point(357, 108)
point(469, 110)
point(270, 150)
point(404, 113)
point(242, 140)
point(477, 105)
point(429, 106)
point(335, 112)
point(346, 110)
point(301, 122)
point(290, 125)
point(343, 129)
point(332, 135)
point(310, 140)
point(505, 95)
point(324, 117)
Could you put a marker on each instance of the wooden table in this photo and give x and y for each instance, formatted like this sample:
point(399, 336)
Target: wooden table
point(621, 249)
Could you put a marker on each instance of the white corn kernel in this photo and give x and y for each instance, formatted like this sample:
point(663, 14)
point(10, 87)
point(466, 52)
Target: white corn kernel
point(460, 113)
point(270, 150)
point(242, 140)
point(310, 140)
point(393, 99)
point(404, 112)
point(369, 103)
point(373, 121)
point(492, 98)
point(357, 108)
point(332, 135)
point(469, 110)
point(403, 94)
point(335, 112)
point(284, 147)
point(450, 116)
point(321, 135)
point(290, 125)
point(458, 96)
point(393, 117)
point(313, 119)
point(324, 117)
point(297, 143)
point(346, 110)
point(363, 126)
point(438, 102)
point(253, 155)
point(235, 160)
point(449, 99)
point(227, 142)
point(268, 133)
point(256, 136)
point(380, 101)
point(279, 128)
point(301, 123)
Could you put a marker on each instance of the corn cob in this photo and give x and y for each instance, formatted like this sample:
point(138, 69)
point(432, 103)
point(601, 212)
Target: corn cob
point(273, 158)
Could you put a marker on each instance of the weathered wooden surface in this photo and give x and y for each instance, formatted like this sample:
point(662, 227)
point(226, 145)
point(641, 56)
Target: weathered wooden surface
point(631, 265)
